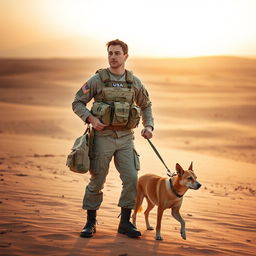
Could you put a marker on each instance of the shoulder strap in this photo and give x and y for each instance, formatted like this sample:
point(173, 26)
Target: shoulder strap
point(104, 75)
point(128, 77)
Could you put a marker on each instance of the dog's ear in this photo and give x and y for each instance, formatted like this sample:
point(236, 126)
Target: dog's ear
point(179, 170)
point(191, 166)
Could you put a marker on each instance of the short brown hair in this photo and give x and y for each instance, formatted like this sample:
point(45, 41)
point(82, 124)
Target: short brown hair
point(118, 42)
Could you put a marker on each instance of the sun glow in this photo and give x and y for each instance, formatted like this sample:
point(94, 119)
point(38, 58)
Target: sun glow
point(160, 28)
point(163, 28)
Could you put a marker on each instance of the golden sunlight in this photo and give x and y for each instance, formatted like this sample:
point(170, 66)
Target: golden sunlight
point(163, 28)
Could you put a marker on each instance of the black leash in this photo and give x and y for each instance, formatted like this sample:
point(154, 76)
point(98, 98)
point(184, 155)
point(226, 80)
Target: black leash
point(169, 173)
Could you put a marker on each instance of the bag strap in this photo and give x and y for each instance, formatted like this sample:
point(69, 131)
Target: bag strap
point(88, 129)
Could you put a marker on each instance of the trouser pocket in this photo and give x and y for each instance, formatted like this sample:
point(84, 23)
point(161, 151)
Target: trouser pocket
point(136, 160)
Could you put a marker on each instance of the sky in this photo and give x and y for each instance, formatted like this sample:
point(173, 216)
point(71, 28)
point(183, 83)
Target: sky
point(152, 28)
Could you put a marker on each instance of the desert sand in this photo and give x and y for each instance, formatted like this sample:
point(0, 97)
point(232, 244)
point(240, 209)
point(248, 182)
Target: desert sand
point(204, 111)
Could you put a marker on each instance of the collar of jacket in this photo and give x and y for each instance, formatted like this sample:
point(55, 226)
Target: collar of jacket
point(105, 77)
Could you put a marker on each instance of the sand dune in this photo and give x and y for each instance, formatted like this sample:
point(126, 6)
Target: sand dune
point(41, 206)
point(204, 110)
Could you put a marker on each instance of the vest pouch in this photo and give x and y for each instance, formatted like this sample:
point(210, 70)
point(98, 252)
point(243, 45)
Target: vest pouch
point(134, 117)
point(102, 111)
point(111, 94)
point(121, 113)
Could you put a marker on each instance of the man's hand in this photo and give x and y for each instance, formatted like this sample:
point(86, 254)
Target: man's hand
point(96, 123)
point(147, 132)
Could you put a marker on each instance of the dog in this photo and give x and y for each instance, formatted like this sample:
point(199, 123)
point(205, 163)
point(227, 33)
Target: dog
point(165, 193)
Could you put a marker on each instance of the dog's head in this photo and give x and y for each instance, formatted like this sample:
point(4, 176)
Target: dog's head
point(187, 178)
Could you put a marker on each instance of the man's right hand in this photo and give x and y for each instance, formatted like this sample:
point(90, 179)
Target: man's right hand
point(96, 123)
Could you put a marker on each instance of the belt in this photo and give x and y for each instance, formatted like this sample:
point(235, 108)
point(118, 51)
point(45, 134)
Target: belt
point(117, 128)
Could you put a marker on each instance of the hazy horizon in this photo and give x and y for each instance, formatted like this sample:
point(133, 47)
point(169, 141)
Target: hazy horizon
point(132, 58)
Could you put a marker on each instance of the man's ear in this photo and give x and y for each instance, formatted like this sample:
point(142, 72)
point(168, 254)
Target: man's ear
point(191, 166)
point(126, 56)
point(179, 170)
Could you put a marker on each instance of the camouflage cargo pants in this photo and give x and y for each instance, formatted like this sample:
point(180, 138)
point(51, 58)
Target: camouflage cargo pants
point(127, 164)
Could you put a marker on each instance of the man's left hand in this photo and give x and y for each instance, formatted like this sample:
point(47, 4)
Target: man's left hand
point(147, 132)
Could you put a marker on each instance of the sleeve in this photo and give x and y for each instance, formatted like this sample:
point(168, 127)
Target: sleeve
point(143, 101)
point(83, 96)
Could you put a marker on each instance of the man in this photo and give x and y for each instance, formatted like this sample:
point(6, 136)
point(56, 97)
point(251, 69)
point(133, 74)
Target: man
point(119, 97)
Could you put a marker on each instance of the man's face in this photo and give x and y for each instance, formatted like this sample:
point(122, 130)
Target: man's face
point(116, 56)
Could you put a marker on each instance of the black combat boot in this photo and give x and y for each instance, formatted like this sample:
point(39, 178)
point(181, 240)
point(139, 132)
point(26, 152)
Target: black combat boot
point(90, 226)
point(125, 226)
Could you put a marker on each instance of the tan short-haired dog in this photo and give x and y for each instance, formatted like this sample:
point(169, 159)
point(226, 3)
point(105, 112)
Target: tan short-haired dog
point(165, 193)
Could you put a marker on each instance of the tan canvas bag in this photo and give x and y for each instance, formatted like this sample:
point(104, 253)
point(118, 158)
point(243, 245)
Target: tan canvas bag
point(78, 159)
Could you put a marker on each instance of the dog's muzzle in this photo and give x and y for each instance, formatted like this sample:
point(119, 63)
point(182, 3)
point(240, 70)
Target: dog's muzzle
point(196, 185)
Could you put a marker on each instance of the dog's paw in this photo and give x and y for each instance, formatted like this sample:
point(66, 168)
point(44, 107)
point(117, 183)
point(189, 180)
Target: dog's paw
point(150, 228)
point(159, 237)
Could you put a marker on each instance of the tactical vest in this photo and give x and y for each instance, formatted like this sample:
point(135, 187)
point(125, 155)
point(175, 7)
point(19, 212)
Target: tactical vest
point(114, 106)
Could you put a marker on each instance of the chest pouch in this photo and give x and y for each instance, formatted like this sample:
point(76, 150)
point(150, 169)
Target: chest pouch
point(134, 117)
point(121, 113)
point(111, 94)
point(102, 111)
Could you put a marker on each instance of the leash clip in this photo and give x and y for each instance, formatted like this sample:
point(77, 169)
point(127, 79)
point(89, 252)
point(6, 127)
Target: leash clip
point(171, 174)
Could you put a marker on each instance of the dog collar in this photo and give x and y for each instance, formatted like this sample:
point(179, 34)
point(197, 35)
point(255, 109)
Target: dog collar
point(173, 190)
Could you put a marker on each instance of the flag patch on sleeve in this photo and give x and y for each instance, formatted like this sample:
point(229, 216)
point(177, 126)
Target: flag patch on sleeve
point(85, 88)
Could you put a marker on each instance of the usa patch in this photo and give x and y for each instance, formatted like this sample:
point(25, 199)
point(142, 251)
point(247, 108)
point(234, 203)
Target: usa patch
point(117, 85)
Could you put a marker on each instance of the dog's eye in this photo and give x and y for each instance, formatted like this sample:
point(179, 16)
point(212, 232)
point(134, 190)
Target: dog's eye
point(190, 178)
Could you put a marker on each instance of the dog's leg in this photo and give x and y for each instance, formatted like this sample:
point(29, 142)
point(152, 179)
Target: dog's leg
point(158, 224)
point(146, 213)
point(139, 200)
point(177, 216)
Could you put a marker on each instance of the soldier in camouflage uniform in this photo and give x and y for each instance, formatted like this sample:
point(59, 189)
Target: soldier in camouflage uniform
point(119, 101)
